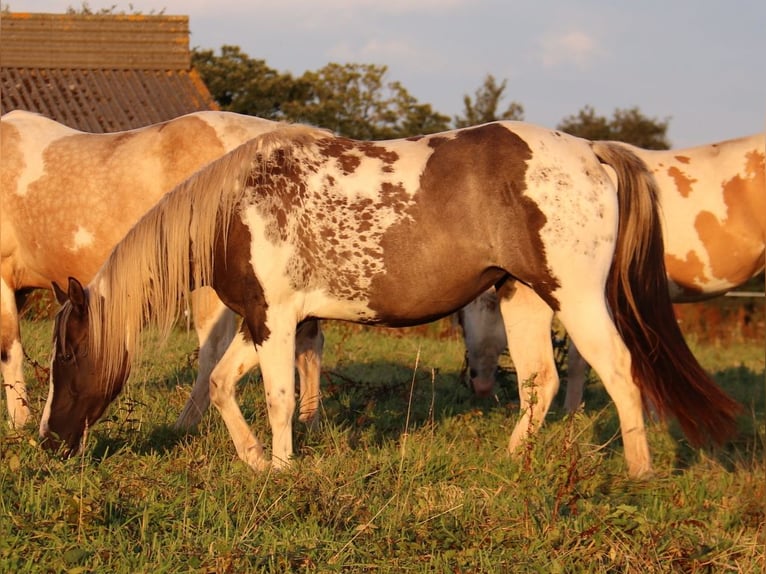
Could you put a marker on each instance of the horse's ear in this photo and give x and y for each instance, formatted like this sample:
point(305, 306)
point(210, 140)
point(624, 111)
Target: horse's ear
point(77, 295)
point(60, 294)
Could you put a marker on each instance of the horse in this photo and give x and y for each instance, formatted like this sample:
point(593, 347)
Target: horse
point(298, 224)
point(68, 197)
point(713, 203)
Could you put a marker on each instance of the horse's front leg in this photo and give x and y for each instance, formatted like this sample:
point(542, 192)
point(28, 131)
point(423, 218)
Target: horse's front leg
point(277, 353)
point(215, 325)
point(239, 358)
point(12, 359)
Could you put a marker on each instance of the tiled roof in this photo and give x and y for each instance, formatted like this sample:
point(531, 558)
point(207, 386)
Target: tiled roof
point(99, 73)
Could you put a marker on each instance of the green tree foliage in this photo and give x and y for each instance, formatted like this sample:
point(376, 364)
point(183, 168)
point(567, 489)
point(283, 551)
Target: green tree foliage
point(246, 85)
point(630, 126)
point(109, 11)
point(485, 105)
point(355, 100)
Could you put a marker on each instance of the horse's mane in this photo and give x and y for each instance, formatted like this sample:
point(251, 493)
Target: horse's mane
point(148, 275)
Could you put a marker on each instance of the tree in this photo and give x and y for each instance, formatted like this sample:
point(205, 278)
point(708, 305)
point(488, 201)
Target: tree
point(354, 100)
point(110, 11)
point(484, 107)
point(630, 126)
point(245, 85)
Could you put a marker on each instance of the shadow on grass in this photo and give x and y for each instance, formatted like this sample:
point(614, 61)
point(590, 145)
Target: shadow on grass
point(743, 451)
point(373, 399)
point(161, 439)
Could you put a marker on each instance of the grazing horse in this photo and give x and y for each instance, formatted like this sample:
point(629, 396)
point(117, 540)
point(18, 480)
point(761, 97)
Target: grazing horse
point(68, 197)
point(298, 224)
point(713, 200)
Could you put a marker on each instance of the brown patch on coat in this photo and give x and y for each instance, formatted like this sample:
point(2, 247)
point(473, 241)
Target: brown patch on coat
point(735, 244)
point(453, 243)
point(683, 182)
point(349, 153)
point(687, 272)
point(235, 282)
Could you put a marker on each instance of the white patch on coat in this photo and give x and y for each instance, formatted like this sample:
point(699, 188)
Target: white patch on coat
point(82, 239)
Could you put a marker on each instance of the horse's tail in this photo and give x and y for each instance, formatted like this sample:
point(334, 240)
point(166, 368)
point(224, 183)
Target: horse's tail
point(671, 380)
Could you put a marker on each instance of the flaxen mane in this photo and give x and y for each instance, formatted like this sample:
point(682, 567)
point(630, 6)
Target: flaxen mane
point(147, 277)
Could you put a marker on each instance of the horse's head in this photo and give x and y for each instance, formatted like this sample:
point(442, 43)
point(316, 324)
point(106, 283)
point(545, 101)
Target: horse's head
point(485, 340)
point(79, 390)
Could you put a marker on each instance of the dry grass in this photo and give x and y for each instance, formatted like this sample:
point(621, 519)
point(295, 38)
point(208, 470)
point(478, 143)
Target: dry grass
point(405, 472)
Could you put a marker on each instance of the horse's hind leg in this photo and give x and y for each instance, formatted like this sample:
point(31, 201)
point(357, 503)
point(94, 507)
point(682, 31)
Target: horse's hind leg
point(527, 321)
point(592, 330)
point(215, 325)
point(12, 359)
point(309, 343)
point(576, 368)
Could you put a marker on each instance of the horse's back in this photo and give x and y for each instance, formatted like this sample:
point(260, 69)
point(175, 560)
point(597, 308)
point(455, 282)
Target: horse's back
point(713, 201)
point(70, 196)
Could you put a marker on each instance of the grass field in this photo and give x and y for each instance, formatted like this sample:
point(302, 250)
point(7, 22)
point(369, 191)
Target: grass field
point(404, 472)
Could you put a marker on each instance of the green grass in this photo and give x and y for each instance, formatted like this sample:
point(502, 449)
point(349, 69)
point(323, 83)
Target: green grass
point(404, 472)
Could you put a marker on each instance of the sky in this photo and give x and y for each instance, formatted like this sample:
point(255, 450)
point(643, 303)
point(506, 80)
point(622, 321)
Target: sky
point(700, 64)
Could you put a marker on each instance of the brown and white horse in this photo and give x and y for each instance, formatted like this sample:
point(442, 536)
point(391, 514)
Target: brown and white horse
point(68, 197)
point(298, 224)
point(713, 200)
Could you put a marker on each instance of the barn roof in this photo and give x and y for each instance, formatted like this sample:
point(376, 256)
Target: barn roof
point(99, 73)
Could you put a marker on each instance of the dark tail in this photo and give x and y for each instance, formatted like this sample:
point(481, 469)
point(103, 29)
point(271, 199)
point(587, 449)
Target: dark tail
point(671, 380)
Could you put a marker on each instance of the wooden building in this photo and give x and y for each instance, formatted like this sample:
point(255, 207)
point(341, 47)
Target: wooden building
point(99, 73)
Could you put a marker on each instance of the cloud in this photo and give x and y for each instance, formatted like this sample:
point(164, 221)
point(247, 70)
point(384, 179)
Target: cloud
point(376, 50)
point(327, 10)
point(575, 48)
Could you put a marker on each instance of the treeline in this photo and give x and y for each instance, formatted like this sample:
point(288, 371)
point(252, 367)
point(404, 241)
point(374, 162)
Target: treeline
point(359, 101)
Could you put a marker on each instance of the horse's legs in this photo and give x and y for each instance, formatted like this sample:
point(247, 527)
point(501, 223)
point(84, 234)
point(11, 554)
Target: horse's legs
point(527, 321)
point(592, 330)
point(277, 354)
point(576, 367)
point(309, 343)
point(12, 358)
point(215, 325)
point(236, 361)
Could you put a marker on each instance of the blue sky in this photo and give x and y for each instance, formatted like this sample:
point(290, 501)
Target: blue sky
point(699, 63)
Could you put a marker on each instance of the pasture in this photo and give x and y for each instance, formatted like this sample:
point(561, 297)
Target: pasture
point(405, 471)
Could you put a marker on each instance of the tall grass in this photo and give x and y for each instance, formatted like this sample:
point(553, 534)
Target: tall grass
point(404, 472)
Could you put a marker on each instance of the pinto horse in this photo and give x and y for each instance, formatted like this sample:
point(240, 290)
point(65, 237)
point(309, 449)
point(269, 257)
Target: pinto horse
point(68, 197)
point(298, 224)
point(713, 201)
